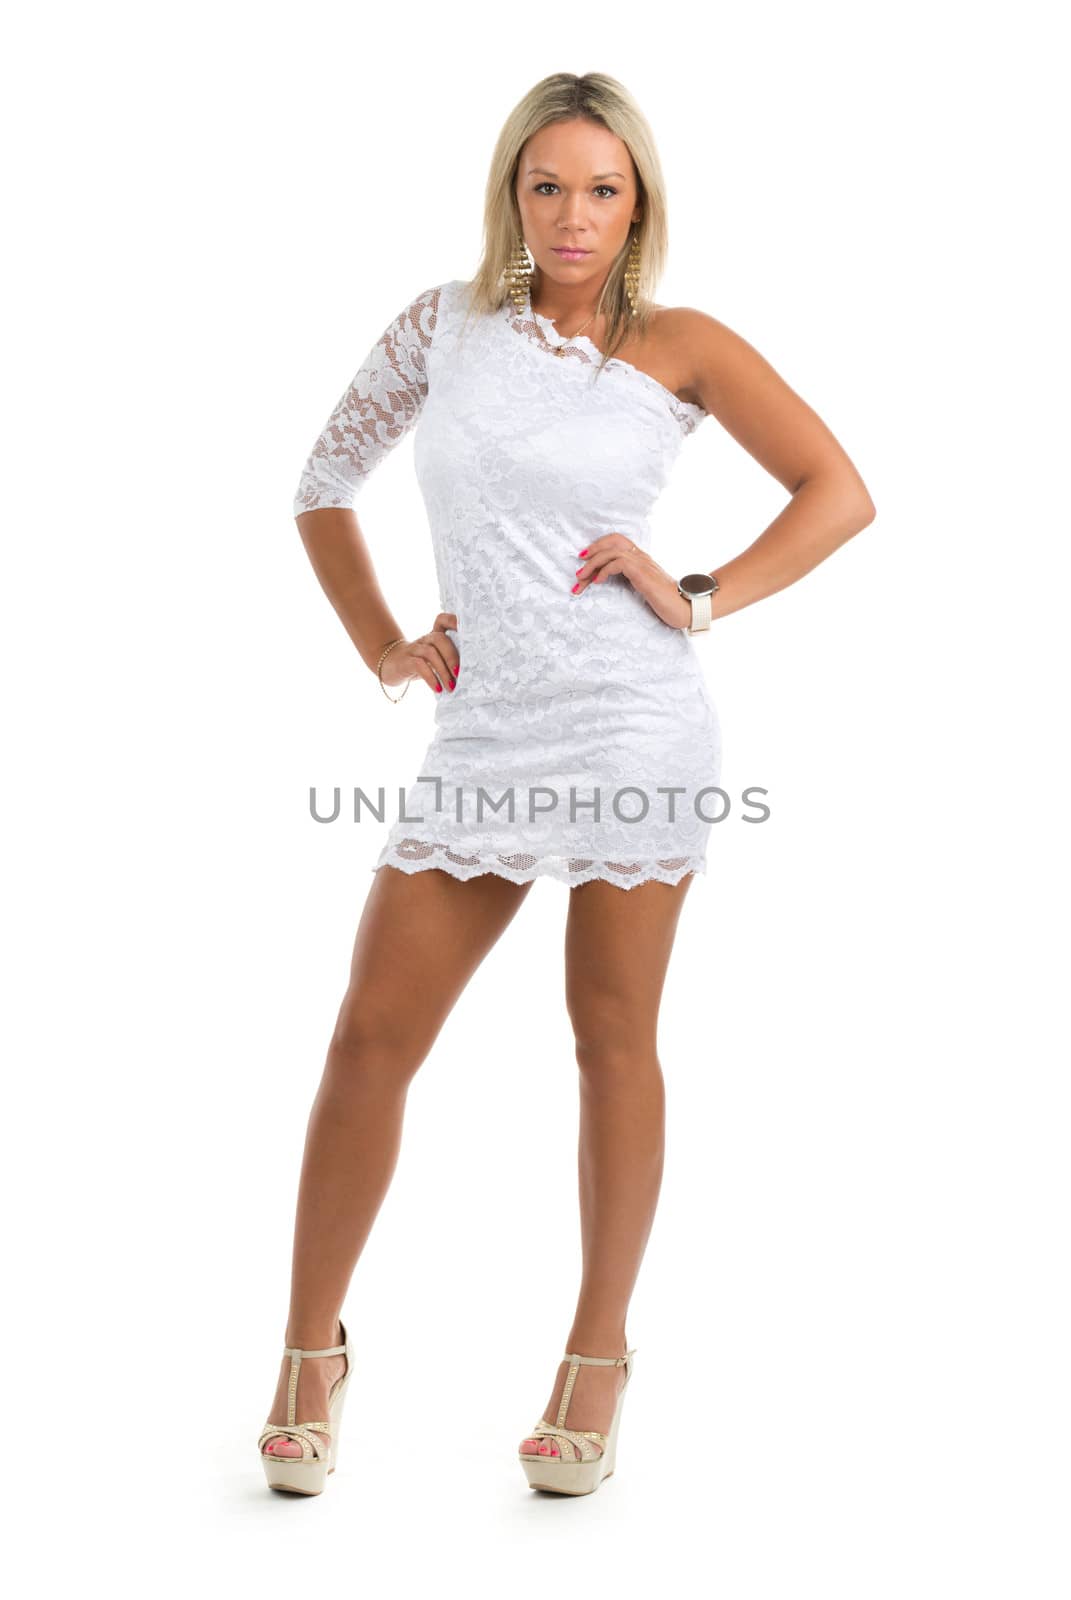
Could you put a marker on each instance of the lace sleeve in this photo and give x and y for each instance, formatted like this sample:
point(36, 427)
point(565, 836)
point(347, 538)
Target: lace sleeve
point(380, 405)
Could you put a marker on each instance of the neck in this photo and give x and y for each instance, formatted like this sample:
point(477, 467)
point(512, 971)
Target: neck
point(564, 302)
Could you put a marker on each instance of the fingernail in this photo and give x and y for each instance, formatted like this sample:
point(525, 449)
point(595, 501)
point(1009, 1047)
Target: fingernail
point(575, 587)
point(579, 570)
point(438, 688)
point(583, 552)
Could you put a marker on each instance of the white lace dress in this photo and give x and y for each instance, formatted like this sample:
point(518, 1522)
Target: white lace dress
point(580, 741)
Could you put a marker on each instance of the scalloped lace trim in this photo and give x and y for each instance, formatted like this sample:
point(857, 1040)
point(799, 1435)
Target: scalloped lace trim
point(528, 322)
point(415, 855)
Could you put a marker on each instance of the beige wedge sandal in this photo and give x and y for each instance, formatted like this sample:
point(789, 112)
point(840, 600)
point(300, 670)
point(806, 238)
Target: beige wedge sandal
point(583, 1468)
point(307, 1473)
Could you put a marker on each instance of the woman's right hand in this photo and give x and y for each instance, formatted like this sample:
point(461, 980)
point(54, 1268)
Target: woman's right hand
point(433, 657)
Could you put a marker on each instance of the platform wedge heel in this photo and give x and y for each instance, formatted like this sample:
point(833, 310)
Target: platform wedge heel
point(307, 1473)
point(579, 1467)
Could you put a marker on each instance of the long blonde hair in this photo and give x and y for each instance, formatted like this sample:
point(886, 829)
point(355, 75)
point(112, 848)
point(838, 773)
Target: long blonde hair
point(560, 98)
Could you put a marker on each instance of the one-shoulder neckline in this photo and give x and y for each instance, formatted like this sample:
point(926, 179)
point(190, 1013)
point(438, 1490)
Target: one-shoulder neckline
point(688, 407)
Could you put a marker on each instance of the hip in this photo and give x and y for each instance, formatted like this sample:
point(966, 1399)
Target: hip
point(523, 662)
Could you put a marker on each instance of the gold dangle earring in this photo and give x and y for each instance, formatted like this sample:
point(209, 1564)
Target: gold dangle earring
point(519, 273)
point(632, 273)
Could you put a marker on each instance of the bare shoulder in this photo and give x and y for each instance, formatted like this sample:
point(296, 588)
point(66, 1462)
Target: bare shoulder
point(664, 351)
point(685, 349)
point(706, 352)
point(724, 373)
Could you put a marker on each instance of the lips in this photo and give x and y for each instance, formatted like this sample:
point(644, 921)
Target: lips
point(569, 250)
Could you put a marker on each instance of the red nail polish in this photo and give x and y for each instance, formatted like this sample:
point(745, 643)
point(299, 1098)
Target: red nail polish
point(575, 587)
point(438, 688)
point(583, 552)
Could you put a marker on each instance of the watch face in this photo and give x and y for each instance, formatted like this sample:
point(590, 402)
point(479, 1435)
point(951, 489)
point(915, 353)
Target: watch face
point(698, 583)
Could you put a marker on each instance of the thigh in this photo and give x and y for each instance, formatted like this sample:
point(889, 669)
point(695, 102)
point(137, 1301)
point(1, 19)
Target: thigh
point(617, 948)
point(420, 938)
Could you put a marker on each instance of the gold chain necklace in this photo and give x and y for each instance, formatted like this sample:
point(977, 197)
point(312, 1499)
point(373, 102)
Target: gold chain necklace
point(559, 349)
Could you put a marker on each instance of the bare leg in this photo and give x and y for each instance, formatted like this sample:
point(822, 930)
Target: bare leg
point(421, 937)
point(617, 948)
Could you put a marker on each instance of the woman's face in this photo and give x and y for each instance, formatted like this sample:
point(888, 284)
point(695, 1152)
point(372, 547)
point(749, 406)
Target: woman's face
point(576, 185)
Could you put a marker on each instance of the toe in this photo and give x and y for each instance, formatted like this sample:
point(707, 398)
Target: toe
point(280, 1445)
point(539, 1447)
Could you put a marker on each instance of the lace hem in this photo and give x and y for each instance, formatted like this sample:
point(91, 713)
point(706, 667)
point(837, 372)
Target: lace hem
point(413, 855)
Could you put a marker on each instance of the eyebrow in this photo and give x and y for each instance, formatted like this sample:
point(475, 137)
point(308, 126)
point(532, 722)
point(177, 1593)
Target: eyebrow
point(596, 175)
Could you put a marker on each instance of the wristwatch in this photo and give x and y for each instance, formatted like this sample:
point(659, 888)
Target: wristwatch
point(698, 588)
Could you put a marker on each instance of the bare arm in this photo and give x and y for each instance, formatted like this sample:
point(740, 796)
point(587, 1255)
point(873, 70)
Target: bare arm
point(339, 555)
point(829, 501)
point(340, 558)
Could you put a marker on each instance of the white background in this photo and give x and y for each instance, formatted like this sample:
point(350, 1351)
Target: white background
point(852, 1320)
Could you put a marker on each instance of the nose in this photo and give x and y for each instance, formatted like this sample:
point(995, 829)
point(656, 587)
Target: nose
point(572, 213)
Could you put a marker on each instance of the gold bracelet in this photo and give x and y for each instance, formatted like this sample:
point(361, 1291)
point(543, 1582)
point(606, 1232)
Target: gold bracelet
point(391, 697)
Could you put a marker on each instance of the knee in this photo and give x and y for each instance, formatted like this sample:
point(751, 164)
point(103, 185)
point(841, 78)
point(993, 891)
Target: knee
point(373, 1050)
point(613, 1047)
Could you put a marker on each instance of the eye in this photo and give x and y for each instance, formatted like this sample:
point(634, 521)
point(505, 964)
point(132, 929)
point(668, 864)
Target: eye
point(547, 184)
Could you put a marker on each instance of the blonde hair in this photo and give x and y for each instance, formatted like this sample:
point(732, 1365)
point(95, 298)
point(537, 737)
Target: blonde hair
point(560, 98)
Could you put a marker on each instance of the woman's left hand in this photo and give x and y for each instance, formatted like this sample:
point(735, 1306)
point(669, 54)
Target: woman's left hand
point(613, 552)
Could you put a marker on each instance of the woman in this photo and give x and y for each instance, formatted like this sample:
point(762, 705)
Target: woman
point(571, 710)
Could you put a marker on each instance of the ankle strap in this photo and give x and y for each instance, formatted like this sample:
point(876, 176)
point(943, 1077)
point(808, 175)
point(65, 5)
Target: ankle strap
point(601, 1361)
point(335, 1349)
